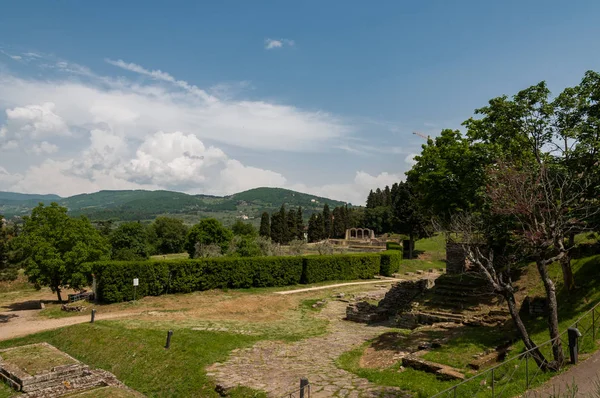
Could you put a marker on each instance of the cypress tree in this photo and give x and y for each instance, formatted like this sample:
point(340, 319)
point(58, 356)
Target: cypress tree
point(292, 231)
point(326, 221)
point(276, 227)
point(265, 225)
point(299, 223)
point(312, 228)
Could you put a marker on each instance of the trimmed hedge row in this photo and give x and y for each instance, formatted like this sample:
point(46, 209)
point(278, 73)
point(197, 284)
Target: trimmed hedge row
point(114, 279)
point(340, 267)
point(390, 262)
point(393, 246)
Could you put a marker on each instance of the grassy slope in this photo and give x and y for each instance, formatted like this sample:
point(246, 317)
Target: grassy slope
point(459, 351)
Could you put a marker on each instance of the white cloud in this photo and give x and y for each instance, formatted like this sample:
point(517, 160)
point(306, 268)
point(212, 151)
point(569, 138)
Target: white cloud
point(158, 133)
point(35, 121)
point(44, 148)
point(355, 192)
point(271, 44)
point(410, 159)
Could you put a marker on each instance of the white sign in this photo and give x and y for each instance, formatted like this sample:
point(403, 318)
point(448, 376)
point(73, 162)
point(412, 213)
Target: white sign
point(136, 281)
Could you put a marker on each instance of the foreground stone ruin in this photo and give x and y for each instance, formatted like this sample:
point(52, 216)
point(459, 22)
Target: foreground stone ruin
point(56, 381)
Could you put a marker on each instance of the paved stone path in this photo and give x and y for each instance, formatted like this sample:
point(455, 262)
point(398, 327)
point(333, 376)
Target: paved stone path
point(276, 367)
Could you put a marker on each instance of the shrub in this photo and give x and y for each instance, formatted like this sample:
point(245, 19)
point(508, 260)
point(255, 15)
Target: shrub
point(390, 262)
point(340, 267)
point(393, 246)
point(114, 279)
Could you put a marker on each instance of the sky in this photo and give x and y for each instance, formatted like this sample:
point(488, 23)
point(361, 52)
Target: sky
point(219, 97)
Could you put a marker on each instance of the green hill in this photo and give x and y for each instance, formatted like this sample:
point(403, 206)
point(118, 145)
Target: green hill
point(133, 205)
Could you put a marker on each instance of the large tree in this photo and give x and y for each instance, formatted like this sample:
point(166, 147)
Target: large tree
point(130, 241)
point(168, 235)
point(56, 248)
point(7, 270)
point(408, 216)
point(208, 232)
point(240, 228)
point(292, 227)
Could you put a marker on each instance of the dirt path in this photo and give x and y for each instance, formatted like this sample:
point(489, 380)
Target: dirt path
point(276, 367)
point(586, 375)
point(23, 323)
point(310, 289)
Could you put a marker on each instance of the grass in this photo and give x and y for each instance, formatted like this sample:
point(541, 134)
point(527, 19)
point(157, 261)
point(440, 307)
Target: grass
point(35, 359)
point(138, 358)
point(106, 392)
point(6, 391)
point(510, 379)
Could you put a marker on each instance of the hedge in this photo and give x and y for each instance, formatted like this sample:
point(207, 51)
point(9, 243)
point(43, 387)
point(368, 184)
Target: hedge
point(390, 262)
point(393, 246)
point(340, 267)
point(114, 279)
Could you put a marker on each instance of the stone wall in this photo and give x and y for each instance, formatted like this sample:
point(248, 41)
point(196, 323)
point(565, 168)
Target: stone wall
point(455, 258)
point(397, 299)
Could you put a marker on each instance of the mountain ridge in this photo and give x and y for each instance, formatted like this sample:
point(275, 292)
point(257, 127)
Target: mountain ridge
point(144, 205)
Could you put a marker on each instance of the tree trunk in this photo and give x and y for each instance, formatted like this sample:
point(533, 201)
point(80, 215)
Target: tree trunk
point(411, 243)
point(529, 344)
point(552, 314)
point(567, 271)
point(60, 300)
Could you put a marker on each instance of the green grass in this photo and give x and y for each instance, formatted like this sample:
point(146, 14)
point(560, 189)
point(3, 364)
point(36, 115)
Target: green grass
point(35, 359)
point(138, 358)
point(6, 391)
point(511, 379)
point(424, 384)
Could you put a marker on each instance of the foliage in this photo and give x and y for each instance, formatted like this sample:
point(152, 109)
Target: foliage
point(130, 241)
point(297, 247)
point(244, 246)
point(393, 246)
point(7, 270)
point(114, 278)
point(279, 226)
point(57, 248)
point(324, 248)
point(207, 251)
point(340, 267)
point(265, 225)
point(168, 235)
point(241, 228)
point(206, 232)
point(327, 222)
point(390, 262)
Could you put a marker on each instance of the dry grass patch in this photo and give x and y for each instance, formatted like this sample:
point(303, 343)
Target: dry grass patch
point(36, 359)
point(107, 392)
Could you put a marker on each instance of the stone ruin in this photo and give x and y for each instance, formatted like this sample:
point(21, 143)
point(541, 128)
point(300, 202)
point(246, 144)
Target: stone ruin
point(56, 381)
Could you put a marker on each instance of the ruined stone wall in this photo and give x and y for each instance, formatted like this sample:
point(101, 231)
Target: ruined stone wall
point(455, 258)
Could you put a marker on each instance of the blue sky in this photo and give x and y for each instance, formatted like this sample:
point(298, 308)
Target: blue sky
point(217, 97)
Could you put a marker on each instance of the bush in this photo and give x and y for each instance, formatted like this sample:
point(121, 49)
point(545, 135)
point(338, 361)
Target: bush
point(114, 279)
point(340, 267)
point(393, 246)
point(390, 262)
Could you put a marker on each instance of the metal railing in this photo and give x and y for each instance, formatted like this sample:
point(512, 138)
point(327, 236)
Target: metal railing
point(520, 373)
point(302, 392)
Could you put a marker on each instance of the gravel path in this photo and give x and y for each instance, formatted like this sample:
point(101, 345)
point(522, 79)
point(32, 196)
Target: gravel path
point(586, 375)
point(23, 323)
point(276, 367)
point(310, 289)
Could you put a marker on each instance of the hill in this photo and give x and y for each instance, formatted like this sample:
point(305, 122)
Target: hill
point(133, 205)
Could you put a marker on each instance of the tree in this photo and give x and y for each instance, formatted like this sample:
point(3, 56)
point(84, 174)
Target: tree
point(408, 218)
point(56, 248)
point(208, 232)
point(7, 270)
point(315, 228)
point(299, 224)
point(279, 228)
point(168, 235)
point(371, 201)
point(130, 242)
point(379, 219)
point(240, 228)
point(265, 225)
point(292, 228)
point(327, 221)
point(338, 228)
point(245, 246)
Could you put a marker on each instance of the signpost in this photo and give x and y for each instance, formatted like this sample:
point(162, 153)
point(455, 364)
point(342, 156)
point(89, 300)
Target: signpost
point(136, 282)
